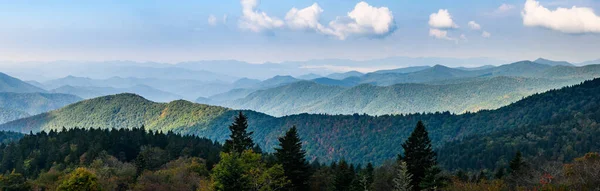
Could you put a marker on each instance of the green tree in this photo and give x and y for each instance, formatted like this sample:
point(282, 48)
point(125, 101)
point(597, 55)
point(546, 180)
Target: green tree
point(402, 181)
point(13, 182)
point(516, 164)
point(433, 180)
point(240, 140)
point(344, 175)
point(246, 171)
point(293, 159)
point(419, 155)
point(80, 179)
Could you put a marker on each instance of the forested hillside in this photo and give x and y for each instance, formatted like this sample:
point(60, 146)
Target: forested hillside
point(19, 105)
point(357, 138)
point(456, 96)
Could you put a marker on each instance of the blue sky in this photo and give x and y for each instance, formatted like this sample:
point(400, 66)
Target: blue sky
point(164, 31)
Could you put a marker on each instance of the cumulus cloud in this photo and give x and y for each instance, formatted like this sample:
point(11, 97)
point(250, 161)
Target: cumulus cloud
point(363, 20)
point(441, 20)
point(574, 20)
point(474, 26)
point(257, 21)
point(307, 18)
point(486, 34)
point(212, 20)
point(439, 34)
point(504, 8)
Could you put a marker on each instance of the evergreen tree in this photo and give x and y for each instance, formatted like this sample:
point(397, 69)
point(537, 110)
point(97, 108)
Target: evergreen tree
point(292, 157)
point(344, 175)
point(419, 155)
point(499, 173)
point(240, 140)
point(402, 181)
point(433, 180)
point(516, 164)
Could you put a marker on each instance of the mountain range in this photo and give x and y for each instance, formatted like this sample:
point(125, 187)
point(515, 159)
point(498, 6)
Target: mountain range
point(357, 138)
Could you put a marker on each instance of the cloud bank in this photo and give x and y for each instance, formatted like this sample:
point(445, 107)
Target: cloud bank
point(441, 20)
point(575, 20)
point(363, 20)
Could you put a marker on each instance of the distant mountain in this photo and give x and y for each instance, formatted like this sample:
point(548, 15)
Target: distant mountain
point(476, 68)
point(92, 92)
point(403, 70)
point(276, 81)
point(348, 82)
point(188, 89)
point(589, 62)
point(230, 95)
point(356, 138)
point(309, 76)
point(18, 105)
point(7, 115)
point(468, 95)
point(245, 83)
point(341, 76)
point(11, 84)
point(552, 62)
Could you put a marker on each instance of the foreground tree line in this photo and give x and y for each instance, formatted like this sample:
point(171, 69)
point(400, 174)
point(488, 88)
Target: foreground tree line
point(135, 159)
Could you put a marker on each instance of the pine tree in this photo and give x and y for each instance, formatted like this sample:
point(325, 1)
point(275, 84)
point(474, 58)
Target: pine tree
point(292, 157)
point(419, 155)
point(499, 173)
point(402, 181)
point(240, 140)
point(344, 175)
point(516, 164)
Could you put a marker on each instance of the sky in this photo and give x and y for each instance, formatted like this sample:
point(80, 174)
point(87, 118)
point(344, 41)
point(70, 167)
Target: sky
point(294, 30)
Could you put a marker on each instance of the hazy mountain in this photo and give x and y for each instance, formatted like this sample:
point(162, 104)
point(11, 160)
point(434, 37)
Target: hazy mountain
point(403, 70)
point(91, 92)
point(276, 81)
point(552, 62)
point(589, 62)
point(230, 95)
point(341, 76)
point(11, 84)
point(7, 115)
point(245, 83)
point(309, 76)
point(476, 68)
point(18, 105)
point(468, 95)
point(348, 82)
point(357, 138)
point(43, 71)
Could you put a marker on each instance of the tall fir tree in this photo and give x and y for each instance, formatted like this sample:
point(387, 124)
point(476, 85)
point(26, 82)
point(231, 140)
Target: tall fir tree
point(402, 181)
point(516, 164)
point(344, 175)
point(418, 154)
point(293, 159)
point(240, 139)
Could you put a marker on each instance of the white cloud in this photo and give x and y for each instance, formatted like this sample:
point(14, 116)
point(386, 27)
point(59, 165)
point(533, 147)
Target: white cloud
point(225, 18)
point(363, 20)
point(573, 20)
point(212, 20)
point(442, 20)
point(463, 37)
point(307, 18)
point(486, 34)
point(256, 21)
point(474, 26)
point(439, 34)
point(504, 8)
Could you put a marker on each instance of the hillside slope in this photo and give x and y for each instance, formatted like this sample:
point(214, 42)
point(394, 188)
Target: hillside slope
point(471, 94)
point(10, 84)
point(357, 138)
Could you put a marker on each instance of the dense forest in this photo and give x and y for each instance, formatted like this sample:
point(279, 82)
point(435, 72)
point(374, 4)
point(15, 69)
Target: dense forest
point(137, 159)
point(355, 138)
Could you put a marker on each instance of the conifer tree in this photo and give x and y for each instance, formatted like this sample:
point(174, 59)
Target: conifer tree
point(419, 155)
point(402, 181)
point(516, 164)
point(240, 140)
point(344, 175)
point(291, 156)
